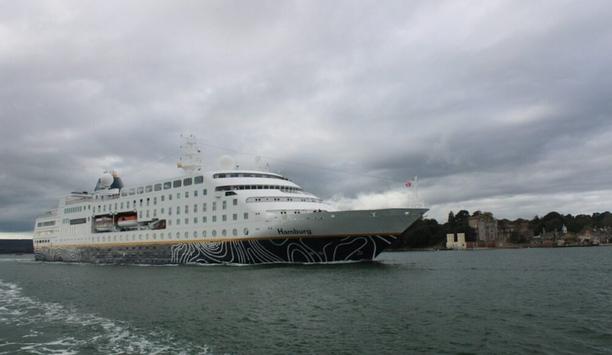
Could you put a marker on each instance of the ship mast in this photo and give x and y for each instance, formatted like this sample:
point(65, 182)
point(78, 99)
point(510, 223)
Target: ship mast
point(190, 159)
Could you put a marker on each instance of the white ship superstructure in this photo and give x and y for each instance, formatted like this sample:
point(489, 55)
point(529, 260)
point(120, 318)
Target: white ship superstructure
point(224, 216)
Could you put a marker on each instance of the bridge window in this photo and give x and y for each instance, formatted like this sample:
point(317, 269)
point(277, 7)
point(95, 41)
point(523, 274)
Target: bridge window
point(176, 183)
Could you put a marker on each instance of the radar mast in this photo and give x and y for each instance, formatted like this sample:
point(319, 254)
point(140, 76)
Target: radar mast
point(190, 159)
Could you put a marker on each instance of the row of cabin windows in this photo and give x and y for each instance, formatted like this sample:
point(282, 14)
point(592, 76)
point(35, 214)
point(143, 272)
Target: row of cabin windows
point(255, 175)
point(45, 224)
point(283, 199)
point(258, 187)
point(73, 209)
point(75, 221)
point(169, 235)
point(203, 219)
point(165, 186)
point(120, 205)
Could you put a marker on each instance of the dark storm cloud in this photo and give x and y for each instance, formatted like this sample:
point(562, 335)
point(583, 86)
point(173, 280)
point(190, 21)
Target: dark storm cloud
point(494, 105)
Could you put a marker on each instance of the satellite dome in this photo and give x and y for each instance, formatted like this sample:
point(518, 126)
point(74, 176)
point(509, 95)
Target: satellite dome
point(106, 180)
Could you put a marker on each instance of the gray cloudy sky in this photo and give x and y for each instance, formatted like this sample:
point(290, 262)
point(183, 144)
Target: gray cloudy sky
point(496, 105)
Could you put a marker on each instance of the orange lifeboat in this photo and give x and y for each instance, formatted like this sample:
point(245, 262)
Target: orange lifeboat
point(127, 221)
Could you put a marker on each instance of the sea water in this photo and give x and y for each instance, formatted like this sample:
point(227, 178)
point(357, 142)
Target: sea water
point(544, 301)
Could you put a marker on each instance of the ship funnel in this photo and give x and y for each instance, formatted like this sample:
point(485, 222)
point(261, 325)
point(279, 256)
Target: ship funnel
point(117, 182)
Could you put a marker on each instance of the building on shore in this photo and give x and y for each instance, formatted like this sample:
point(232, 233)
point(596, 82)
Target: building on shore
point(456, 241)
point(485, 226)
point(517, 231)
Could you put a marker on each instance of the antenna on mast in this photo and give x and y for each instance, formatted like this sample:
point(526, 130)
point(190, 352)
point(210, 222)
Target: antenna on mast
point(190, 159)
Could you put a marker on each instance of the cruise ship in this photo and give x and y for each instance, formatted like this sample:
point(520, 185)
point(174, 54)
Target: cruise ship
point(232, 216)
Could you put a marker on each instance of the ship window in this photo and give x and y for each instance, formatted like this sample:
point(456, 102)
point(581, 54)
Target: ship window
point(195, 193)
point(167, 185)
point(204, 219)
point(187, 181)
point(149, 188)
point(204, 192)
point(157, 187)
point(132, 191)
point(124, 193)
point(233, 175)
point(224, 204)
point(214, 205)
point(246, 231)
point(140, 190)
point(178, 209)
point(234, 232)
point(224, 232)
point(178, 195)
point(214, 218)
point(224, 218)
point(77, 221)
point(176, 183)
point(203, 233)
point(186, 208)
point(198, 179)
point(235, 202)
point(195, 220)
point(155, 200)
point(186, 194)
point(235, 216)
point(214, 233)
point(204, 207)
point(169, 197)
point(178, 221)
point(246, 215)
point(163, 197)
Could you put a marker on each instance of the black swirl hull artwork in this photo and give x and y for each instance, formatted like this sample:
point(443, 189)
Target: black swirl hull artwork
point(286, 250)
point(244, 251)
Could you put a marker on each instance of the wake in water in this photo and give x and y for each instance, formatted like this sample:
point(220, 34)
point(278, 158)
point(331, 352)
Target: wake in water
point(31, 326)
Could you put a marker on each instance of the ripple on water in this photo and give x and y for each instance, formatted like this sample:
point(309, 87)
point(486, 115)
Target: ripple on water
point(40, 328)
